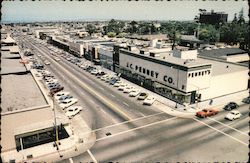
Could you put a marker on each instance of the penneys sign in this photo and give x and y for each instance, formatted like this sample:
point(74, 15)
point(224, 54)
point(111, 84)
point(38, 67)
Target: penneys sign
point(148, 72)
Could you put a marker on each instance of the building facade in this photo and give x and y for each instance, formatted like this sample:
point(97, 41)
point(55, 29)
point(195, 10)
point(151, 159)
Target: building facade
point(182, 80)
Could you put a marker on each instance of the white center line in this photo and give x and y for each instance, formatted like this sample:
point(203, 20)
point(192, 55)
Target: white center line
point(101, 88)
point(91, 155)
point(221, 132)
point(137, 128)
point(228, 126)
point(125, 104)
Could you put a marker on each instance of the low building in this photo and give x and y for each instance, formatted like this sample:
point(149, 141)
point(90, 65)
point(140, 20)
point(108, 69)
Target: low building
point(183, 79)
point(234, 55)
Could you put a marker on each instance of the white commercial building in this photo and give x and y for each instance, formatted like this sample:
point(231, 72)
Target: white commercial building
point(183, 77)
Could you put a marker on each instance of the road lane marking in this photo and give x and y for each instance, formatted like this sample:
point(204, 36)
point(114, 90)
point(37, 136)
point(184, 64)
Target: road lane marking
point(107, 101)
point(142, 114)
point(228, 126)
point(91, 155)
point(71, 160)
point(137, 128)
point(112, 95)
point(133, 120)
point(101, 88)
point(125, 104)
point(221, 132)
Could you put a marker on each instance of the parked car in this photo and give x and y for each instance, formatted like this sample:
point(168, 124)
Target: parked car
point(104, 77)
point(55, 90)
point(134, 92)
point(142, 96)
point(113, 81)
point(67, 103)
point(46, 62)
point(50, 81)
point(72, 111)
point(57, 85)
point(100, 73)
point(149, 100)
point(128, 89)
point(65, 97)
point(60, 94)
point(231, 106)
point(246, 100)
point(122, 86)
point(206, 113)
point(94, 72)
point(118, 83)
point(232, 115)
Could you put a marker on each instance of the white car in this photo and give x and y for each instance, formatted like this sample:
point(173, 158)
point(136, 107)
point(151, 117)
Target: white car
point(117, 84)
point(122, 87)
point(104, 77)
point(67, 103)
point(47, 62)
point(232, 115)
point(60, 94)
point(51, 80)
point(57, 59)
point(72, 111)
point(128, 89)
point(149, 100)
point(94, 72)
point(134, 92)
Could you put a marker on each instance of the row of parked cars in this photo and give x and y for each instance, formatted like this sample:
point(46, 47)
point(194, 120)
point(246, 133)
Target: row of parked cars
point(232, 115)
point(116, 82)
point(63, 99)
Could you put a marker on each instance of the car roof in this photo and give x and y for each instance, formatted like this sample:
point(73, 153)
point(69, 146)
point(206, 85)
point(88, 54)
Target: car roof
point(234, 111)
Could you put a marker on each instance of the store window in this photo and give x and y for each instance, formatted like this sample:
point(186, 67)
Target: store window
point(202, 73)
point(199, 73)
point(143, 70)
point(196, 74)
point(148, 72)
point(192, 75)
point(189, 74)
point(139, 69)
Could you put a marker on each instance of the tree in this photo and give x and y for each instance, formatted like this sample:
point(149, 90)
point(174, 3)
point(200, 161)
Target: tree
point(208, 33)
point(90, 28)
point(111, 34)
point(241, 19)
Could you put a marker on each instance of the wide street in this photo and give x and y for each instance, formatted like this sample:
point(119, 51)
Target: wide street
point(129, 131)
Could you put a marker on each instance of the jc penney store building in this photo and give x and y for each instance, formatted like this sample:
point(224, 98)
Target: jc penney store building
point(183, 80)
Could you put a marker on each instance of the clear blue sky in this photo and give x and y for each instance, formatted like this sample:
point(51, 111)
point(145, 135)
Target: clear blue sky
point(57, 10)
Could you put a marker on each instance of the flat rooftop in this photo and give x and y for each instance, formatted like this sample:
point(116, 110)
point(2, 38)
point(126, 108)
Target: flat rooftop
point(168, 59)
point(19, 89)
point(218, 67)
point(10, 63)
point(17, 123)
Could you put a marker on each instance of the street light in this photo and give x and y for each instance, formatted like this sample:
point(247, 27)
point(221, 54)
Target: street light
point(56, 129)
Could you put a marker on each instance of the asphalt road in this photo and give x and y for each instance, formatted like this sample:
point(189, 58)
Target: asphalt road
point(150, 135)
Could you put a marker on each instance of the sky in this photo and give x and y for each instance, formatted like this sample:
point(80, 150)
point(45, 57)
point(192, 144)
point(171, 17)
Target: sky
point(57, 10)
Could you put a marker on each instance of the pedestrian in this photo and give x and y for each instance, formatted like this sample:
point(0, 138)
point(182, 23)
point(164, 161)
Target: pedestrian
point(211, 102)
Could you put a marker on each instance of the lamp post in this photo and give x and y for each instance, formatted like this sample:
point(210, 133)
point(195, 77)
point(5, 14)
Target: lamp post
point(55, 125)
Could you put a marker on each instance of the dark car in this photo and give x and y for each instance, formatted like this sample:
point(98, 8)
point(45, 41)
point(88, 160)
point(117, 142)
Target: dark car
point(113, 81)
point(231, 106)
point(55, 90)
point(246, 100)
